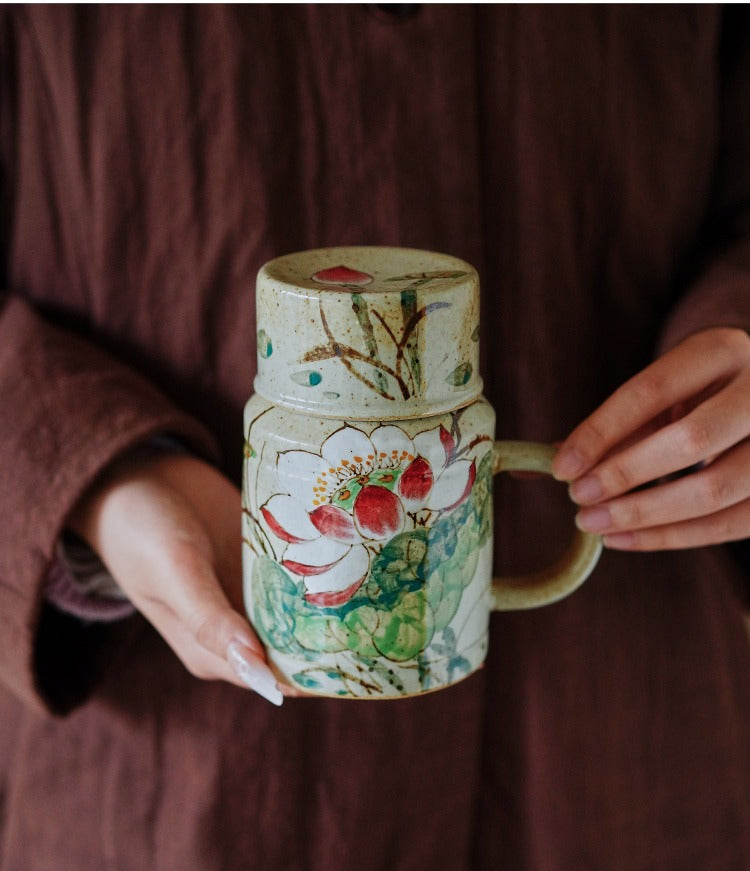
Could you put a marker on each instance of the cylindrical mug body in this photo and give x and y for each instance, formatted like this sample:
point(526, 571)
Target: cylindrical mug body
point(367, 547)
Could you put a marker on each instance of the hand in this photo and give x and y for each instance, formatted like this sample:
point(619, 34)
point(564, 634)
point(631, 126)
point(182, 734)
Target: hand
point(168, 529)
point(681, 427)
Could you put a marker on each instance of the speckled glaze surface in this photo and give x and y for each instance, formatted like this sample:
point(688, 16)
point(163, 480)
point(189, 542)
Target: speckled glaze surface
point(367, 480)
point(368, 333)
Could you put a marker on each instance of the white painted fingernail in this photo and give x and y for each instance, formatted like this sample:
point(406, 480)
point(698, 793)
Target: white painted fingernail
point(256, 675)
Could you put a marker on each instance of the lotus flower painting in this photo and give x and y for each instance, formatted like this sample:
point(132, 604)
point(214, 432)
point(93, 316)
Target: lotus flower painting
point(356, 494)
point(367, 547)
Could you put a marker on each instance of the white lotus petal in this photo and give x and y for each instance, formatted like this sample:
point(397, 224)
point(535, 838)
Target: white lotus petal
point(349, 444)
point(320, 552)
point(451, 485)
point(347, 571)
point(392, 442)
point(288, 519)
point(298, 472)
point(429, 445)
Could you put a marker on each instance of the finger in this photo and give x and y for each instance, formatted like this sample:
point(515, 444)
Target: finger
point(222, 632)
point(225, 634)
point(731, 524)
point(718, 424)
point(672, 379)
point(241, 666)
point(193, 613)
point(215, 501)
point(717, 486)
point(254, 673)
point(209, 654)
point(200, 662)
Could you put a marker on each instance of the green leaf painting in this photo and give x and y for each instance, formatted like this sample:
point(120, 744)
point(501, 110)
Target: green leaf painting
point(460, 375)
point(400, 615)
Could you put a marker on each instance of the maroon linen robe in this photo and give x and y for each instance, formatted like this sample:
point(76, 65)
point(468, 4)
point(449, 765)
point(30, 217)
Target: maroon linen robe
point(593, 163)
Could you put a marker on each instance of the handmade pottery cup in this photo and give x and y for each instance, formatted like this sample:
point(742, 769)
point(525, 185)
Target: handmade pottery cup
point(367, 481)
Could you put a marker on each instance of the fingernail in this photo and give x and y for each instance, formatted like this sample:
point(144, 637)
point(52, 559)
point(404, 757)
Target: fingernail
point(256, 675)
point(594, 519)
point(567, 464)
point(588, 489)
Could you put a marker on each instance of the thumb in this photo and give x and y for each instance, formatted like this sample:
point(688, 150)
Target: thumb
point(222, 632)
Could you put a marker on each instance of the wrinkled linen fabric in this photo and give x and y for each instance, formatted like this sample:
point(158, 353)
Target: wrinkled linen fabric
point(593, 164)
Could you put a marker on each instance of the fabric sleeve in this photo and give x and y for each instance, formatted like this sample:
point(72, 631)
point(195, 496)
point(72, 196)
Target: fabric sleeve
point(78, 583)
point(719, 295)
point(68, 410)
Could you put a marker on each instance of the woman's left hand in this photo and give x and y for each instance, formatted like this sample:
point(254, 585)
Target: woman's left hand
point(664, 463)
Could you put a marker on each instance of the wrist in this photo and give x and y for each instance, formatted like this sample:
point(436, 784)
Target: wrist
point(83, 518)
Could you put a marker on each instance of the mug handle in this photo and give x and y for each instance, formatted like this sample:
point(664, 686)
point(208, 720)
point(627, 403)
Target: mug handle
point(550, 584)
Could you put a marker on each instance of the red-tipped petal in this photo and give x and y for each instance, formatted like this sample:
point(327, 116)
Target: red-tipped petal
point(416, 482)
point(378, 512)
point(305, 570)
point(333, 600)
point(278, 529)
point(467, 489)
point(449, 445)
point(335, 523)
point(342, 275)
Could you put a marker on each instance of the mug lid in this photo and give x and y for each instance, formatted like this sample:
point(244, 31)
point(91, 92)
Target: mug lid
point(368, 332)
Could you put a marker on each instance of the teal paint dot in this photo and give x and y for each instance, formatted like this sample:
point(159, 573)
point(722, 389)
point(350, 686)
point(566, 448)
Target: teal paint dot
point(460, 375)
point(265, 346)
point(308, 378)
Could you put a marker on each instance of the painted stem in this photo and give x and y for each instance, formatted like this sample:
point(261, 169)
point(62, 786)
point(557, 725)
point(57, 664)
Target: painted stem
point(359, 306)
point(343, 352)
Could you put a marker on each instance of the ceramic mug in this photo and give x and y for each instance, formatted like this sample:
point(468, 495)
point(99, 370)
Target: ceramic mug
point(367, 478)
